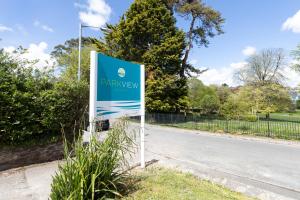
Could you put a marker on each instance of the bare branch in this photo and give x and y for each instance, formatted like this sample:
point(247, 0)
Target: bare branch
point(263, 68)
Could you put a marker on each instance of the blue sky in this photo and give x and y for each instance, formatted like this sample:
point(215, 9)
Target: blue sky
point(251, 25)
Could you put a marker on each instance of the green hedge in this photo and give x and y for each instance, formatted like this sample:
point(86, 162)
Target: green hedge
point(35, 104)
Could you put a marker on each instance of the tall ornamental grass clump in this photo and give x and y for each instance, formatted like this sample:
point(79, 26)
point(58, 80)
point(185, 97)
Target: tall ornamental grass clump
point(96, 170)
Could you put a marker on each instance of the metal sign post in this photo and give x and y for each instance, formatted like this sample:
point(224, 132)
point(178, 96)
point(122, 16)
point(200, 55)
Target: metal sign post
point(117, 89)
point(142, 131)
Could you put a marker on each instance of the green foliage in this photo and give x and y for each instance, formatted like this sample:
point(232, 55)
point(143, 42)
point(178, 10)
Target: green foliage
point(266, 99)
point(147, 34)
point(250, 118)
point(202, 97)
point(298, 104)
point(70, 45)
point(95, 171)
point(21, 100)
point(210, 104)
point(68, 63)
point(223, 93)
point(250, 100)
point(234, 108)
point(146, 25)
point(164, 94)
point(65, 105)
point(204, 23)
point(34, 104)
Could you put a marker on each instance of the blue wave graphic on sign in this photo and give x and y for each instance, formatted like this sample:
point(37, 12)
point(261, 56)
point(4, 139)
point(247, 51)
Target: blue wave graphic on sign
point(109, 109)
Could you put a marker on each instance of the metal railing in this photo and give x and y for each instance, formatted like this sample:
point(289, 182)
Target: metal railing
point(273, 128)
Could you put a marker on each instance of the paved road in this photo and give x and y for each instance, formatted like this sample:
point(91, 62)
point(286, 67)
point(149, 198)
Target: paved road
point(263, 168)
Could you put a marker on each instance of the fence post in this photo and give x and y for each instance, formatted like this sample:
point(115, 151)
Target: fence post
point(269, 133)
point(227, 121)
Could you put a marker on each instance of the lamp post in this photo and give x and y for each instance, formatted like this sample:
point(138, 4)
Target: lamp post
point(79, 51)
point(81, 26)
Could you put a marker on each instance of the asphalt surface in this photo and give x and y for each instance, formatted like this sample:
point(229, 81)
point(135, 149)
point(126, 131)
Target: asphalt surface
point(263, 168)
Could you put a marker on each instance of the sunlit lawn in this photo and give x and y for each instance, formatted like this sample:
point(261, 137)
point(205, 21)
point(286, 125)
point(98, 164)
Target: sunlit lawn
point(166, 184)
point(287, 116)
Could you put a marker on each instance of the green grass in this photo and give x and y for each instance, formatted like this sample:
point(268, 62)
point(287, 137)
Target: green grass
point(274, 129)
point(287, 116)
point(166, 184)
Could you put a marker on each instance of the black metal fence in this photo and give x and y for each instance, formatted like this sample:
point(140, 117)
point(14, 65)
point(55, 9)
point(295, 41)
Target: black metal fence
point(261, 127)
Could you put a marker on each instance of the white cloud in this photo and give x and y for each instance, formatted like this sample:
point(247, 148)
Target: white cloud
point(219, 76)
point(95, 13)
point(9, 49)
point(37, 23)
point(5, 28)
point(249, 51)
point(47, 28)
point(238, 65)
point(292, 23)
point(36, 53)
point(293, 78)
point(222, 75)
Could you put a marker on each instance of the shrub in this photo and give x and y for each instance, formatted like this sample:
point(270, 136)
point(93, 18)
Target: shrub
point(298, 104)
point(250, 118)
point(210, 104)
point(243, 128)
point(96, 171)
point(20, 100)
point(65, 104)
point(35, 104)
point(233, 108)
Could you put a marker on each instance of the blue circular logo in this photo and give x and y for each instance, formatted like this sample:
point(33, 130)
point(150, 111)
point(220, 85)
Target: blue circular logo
point(121, 72)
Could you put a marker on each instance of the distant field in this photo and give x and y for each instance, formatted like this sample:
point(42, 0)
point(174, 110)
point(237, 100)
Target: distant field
point(295, 116)
point(287, 115)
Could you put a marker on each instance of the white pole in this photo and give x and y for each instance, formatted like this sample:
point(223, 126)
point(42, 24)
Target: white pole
point(93, 90)
point(79, 51)
point(142, 131)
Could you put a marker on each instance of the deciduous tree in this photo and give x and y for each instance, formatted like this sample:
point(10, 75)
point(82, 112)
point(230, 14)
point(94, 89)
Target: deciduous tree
point(266, 99)
point(263, 68)
point(202, 97)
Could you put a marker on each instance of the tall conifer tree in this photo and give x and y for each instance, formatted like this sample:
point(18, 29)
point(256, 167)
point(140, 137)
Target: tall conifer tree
point(147, 34)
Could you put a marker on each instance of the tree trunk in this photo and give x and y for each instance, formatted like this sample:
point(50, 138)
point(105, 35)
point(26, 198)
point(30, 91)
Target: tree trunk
point(267, 115)
point(188, 49)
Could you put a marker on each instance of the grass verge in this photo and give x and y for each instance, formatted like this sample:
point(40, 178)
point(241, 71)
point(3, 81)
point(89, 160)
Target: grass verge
point(167, 184)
